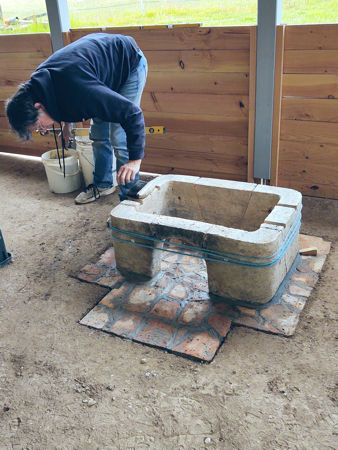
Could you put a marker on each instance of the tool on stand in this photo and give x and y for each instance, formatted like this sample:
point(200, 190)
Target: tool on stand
point(5, 257)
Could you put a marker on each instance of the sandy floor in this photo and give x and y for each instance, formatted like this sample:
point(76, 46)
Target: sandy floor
point(260, 392)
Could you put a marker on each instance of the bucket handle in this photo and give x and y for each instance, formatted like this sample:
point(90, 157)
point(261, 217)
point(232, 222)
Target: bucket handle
point(89, 162)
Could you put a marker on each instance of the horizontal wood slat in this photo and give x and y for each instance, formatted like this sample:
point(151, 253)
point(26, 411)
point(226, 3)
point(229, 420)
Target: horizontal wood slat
point(206, 83)
point(308, 187)
point(317, 110)
point(148, 167)
point(203, 38)
point(311, 61)
point(12, 144)
point(198, 61)
point(13, 77)
point(206, 143)
point(308, 132)
point(18, 43)
point(4, 123)
point(311, 168)
point(311, 37)
point(6, 92)
point(203, 124)
point(220, 105)
point(27, 61)
point(197, 161)
point(309, 85)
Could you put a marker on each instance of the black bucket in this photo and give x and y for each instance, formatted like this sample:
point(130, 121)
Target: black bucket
point(5, 257)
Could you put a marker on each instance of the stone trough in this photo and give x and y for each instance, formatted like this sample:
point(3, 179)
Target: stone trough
point(247, 233)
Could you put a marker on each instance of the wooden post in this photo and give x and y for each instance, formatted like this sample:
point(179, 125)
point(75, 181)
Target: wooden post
point(277, 102)
point(252, 103)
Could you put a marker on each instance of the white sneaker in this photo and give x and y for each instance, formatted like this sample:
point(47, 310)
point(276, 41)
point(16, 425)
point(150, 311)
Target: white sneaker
point(92, 193)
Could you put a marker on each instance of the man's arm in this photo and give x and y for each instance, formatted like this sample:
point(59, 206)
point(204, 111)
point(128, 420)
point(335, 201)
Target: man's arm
point(128, 172)
point(109, 106)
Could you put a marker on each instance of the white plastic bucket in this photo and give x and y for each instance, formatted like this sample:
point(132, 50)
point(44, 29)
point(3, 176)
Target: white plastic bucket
point(85, 153)
point(56, 180)
point(86, 158)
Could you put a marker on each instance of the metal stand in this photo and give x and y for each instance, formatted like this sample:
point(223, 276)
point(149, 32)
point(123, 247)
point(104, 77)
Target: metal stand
point(5, 257)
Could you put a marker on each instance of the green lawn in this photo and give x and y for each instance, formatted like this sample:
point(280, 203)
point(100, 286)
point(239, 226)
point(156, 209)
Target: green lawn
point(149, 12)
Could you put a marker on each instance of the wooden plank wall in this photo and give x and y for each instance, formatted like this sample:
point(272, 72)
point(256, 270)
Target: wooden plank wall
point(198, 89)
point(308, 147)
point(20, 54)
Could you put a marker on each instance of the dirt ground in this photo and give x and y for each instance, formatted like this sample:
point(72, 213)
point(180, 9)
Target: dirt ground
point(261, 391)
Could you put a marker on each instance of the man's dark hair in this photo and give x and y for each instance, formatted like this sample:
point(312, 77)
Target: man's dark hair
point(21, 112)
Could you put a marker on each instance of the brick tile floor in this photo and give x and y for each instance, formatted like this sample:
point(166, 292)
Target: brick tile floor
point(173, 311)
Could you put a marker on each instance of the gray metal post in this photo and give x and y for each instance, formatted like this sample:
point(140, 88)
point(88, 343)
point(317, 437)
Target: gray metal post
point(269, 16)
point(58, 17)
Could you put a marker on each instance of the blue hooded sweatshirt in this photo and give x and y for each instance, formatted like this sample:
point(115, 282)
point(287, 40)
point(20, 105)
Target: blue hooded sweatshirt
point(82, 81)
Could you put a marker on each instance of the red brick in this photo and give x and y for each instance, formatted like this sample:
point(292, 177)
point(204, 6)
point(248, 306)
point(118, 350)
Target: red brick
point(110, 281)
point(316, 262)
point(115, 296)
point(108, 258)
point(298, 290)
point(165, 309)
point(303, 268)
point(190, 260)
point(223, 308)
point(118, 294)
point(199, 345)
point(196, 296)
point(156, 333)
point(201, 285)
point(188, 268)
point(220, 323)
point(126, 325)
point(91, 273)
point(313, 241)
point(193, 276)
point(141, 298)
point(171, 257)
point(296, 302)
point(282, 318)
point(194, 313)
point(179, 292)
point(247, 311)
point(162, 282)
point(305, 279)
point(251, 322)
point(96, 318)
point(266, 326)
point(164, 265)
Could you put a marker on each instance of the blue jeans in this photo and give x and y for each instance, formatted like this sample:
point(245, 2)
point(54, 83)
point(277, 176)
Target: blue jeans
point(108, 136)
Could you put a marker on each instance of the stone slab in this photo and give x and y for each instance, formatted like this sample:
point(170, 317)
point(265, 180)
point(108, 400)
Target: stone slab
point(253, 232)
point(174, 312)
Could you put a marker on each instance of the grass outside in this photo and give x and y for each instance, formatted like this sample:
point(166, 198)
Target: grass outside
point(112, 13)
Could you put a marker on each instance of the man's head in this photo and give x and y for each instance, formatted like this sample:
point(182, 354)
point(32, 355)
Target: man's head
point(26, 116)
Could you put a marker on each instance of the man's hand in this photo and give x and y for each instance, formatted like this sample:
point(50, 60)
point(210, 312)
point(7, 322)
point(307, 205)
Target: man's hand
point(128, 171)
point(66, 130)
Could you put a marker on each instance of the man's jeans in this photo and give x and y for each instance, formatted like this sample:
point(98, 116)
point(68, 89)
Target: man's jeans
point(108, 136)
